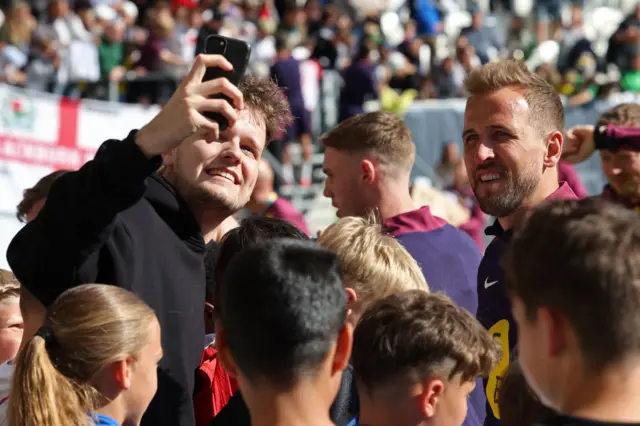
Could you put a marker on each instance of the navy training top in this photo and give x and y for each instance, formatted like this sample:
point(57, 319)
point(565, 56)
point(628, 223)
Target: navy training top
point(494, 307)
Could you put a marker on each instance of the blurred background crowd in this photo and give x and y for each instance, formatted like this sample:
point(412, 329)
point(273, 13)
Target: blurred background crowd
point(392, 51)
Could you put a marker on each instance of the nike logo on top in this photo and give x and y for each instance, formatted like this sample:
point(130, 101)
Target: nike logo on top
point(488, 284)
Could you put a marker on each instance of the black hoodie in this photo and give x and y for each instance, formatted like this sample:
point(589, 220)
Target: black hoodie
point(116, 222)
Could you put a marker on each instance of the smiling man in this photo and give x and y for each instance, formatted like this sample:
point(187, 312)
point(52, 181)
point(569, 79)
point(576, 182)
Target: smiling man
point(513, 126)
point(117, 221)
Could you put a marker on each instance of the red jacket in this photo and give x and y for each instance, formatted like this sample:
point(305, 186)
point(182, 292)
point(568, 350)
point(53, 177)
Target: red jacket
point(213, 388)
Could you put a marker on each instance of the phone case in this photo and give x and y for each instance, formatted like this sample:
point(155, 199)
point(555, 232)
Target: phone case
point(237, 52)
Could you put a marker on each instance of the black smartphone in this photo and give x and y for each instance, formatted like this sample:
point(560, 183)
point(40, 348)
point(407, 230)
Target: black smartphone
point(237, 52)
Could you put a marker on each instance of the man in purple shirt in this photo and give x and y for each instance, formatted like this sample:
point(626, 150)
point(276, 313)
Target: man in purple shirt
point(368, 161)
point(512, 137)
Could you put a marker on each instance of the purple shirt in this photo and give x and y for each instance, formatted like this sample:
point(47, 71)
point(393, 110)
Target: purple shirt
point(494, 307)
point(283, 209)
point(449, 260)
point(566, 173)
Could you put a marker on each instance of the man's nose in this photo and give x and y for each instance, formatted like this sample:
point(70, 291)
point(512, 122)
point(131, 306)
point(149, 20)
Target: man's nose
point(484, 152)
point(327, 192)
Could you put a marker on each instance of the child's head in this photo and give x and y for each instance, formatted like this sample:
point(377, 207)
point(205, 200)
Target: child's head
point(11, 325)
point(580, 323)
point(518, 404)
point(97, 352)
point(284, 323)
point(416, 357)
point(252, 230)
point(374, 264)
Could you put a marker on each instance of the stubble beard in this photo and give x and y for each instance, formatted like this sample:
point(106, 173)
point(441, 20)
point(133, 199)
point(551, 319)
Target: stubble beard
point(511, 200)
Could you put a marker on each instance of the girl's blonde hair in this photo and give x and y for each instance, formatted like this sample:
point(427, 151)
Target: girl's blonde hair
point(86, 328)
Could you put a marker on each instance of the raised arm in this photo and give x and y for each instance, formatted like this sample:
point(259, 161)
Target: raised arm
point(81, 211)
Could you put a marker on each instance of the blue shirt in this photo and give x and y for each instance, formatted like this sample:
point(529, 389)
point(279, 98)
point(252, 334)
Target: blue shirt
point(102, 420)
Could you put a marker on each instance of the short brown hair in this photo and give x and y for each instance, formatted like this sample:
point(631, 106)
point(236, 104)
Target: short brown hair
point(519, 405)
point(621, 115)
point(36, 193)
point(579, 257)
point(9, 285)
point(546, 110)
point(375, 264)
point(382, 134)
point(265, 97)
point(413, 335)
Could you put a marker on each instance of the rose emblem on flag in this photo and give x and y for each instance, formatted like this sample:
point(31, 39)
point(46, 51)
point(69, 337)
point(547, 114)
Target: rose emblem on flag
point(17, 112)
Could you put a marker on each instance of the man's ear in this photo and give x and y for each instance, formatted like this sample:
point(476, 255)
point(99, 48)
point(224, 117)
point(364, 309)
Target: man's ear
point(553, 153)
point(556, 330)
point(432, 391)
point(226, 359)
point(342, 354)
point(367, 171)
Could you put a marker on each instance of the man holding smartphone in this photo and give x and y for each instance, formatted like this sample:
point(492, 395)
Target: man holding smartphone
point(136, 215)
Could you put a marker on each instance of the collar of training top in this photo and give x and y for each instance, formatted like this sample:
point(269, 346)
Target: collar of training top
point(564, 192)
point(420, 220)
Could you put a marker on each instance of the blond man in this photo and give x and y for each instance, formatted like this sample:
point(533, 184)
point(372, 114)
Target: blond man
point(374, 265)
point(513, 138)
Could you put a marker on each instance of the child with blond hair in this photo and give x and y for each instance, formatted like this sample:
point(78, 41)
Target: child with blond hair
point(374, 264)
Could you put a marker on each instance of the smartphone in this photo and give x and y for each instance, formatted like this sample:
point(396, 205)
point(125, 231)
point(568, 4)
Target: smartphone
point(237, 52)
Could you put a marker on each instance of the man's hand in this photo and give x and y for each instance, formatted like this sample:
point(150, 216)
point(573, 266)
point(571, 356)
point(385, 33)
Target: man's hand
point(578, 144)
point(182, 116)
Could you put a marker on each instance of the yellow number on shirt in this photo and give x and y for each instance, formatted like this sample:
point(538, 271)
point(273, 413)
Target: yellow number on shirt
point(499, 331)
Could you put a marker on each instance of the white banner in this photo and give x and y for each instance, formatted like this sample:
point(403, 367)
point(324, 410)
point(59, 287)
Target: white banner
point(40, 133)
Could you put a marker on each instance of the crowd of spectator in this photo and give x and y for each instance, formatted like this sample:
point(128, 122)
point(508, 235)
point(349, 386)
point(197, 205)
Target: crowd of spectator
point(421, 49)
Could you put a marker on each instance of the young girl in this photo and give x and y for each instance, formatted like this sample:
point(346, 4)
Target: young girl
point(92, 363)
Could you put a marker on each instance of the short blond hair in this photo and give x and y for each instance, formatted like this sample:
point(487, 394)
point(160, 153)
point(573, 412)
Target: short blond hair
point(9, 285)
point(374, 263)
point(546, 110)
point(382, 134)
